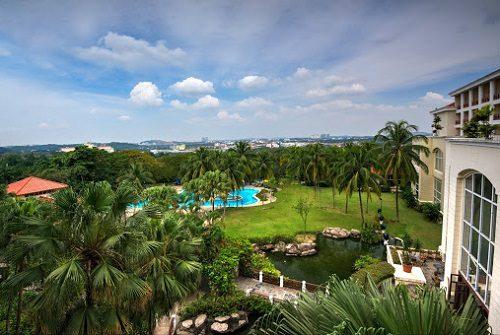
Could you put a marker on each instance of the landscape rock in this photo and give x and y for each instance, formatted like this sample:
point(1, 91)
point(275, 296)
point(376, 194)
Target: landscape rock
point(336, 232)
point(200, 321)
point(220, 328)
point(355, 233)
point(222, 319)
point(309, 252)
point(267, 247)
point(186, 324)
point(280, 247)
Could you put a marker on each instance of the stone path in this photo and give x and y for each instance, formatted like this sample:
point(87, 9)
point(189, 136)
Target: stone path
point(253, 286)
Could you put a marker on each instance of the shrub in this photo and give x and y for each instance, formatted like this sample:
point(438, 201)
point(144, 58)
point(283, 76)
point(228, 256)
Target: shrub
point(409, 197)
point(407, 241)
point(364, 261)
point(214, 305)
point(378, 272)
point(431, 211)
point(260, 262)
point(263, 195)
point(221, 273)
point(395, 256)
point(273, 239)
point(369, 236)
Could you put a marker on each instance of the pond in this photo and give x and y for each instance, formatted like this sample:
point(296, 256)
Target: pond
point(333, 257)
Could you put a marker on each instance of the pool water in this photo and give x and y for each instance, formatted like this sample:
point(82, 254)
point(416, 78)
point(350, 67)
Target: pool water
point(333, 257)
point(238, 198)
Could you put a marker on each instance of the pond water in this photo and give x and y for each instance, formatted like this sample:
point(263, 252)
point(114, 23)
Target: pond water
point(333, 257)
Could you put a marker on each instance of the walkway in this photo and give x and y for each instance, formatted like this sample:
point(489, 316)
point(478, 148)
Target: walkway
point(253, 286)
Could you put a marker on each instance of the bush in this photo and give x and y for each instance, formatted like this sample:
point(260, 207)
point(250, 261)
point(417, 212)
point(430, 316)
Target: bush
point(431, 211)
point(378, 272)
point(408, 196)
point(262, 263)
point(369, 236)
point(263, 195)
point(364, 261)
point(214, 305)
point(395, 256)
point(221, 273)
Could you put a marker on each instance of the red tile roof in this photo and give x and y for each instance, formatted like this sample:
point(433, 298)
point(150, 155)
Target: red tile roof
point(34, 185)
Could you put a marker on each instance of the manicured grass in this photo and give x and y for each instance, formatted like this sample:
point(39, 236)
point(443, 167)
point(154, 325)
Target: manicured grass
point(280, 218)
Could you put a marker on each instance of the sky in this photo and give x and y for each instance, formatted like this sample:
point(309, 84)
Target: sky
point(101, 71)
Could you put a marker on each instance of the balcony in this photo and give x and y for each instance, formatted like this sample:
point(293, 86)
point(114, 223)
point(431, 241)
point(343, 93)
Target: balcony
point(457, 121)
point(496, 116)
point(474, 102)
point(496, 96)
point(486, 99)
point(466, 104)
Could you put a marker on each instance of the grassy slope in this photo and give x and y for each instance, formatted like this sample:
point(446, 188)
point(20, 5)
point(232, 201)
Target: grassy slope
point(280, 219)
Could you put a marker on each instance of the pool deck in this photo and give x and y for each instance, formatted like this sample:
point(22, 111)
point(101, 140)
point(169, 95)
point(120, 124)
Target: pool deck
point(253, 286)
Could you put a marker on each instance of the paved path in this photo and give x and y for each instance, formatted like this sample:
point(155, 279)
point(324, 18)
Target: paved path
point(253, 286)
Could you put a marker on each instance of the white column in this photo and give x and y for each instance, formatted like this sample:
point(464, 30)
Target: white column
point(303, 286)
point(260, 276)
point(281, 281)
point(492, 90)
point(480, 94)
point(470, 98)
point(462, 98)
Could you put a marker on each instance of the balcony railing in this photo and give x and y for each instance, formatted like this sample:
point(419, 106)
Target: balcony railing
point(496, 96)
point(486, 99)
point(474, 102)
point(466, 105)
point(457, 121)
point(496, 116)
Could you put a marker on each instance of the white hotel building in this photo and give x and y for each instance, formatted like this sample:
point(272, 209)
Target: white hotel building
point(464, 177)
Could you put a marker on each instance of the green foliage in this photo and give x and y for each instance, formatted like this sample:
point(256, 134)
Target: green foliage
point(273, 239)
point(479, 125)
point(370, 236)
point(407, 241)
point(214, 305)
point(377, 270)
point(263, 194)
point(353, 309)
point(364, 261)
point(162, 195)
point(431, 211)
point(222, 272)
point(436, 124)
point(260, 262)
point(409, 197)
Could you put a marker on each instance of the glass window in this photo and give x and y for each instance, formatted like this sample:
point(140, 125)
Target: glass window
point(438, 160)
point(438, 187)
point(478, 234)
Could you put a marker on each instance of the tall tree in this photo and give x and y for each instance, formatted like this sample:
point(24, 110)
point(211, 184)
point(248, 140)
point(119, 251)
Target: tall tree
point(401, 149)
point(245, 156)
point(137, 176)
point(198, 163)
point(315, 157)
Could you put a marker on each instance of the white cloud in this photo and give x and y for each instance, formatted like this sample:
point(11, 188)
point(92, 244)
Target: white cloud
point(193, 86)
point(43, 125)
point(433, 97)
point(124, 118)
point(146, 93)
point(266, 115)
point(337, 89)
point(130, 53)
point(224, 115)
point(52, 126)
point(302, 72)
point(207, 101)
point(204, 102)
point(253, 102)
point(4, 52)
point(252, 82)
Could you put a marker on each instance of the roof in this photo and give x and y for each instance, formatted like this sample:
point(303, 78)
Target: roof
point(34, 185)
point(447, 108)
point(476, 82)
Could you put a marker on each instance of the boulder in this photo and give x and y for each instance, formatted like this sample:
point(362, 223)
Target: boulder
point(292, 249)
point(220, 328)
point(280, 247)
point(336, 232)
point(355, 233)
point(267, 247)
point(222, 319)
point(309, 252)
point(186, 324)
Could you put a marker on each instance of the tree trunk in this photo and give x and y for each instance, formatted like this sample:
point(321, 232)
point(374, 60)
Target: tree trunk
point(19, 308)
point(396, 182)
point(333, 196)
point(7, 318)
point(361, 207)
point(366, 208)
point(346, 202)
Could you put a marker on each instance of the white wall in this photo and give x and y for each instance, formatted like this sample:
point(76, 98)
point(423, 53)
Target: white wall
point(462, 157)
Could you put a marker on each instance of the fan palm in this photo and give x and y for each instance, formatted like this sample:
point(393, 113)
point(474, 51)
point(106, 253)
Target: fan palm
point(138, 176)
point(401, 153)
point(350, 309)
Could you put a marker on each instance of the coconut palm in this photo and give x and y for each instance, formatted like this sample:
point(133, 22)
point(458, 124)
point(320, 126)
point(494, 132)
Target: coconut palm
point(232, 167)
point(198, 163)
point(315, 157)
point(138, 176)
point(264, 165)
point(245, 156)
point(210, 186)
point(354, 310)
point(334, 160)
point(358, 175)
point(401, 149)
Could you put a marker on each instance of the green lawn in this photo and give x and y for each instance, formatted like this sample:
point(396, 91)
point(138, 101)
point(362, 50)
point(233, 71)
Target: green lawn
point(279, 218)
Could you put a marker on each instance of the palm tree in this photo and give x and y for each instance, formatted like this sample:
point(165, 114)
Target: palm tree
point(138, 176)
point(264, 165)
point(358, 175)
point(333, 164)
point(210, 186)
point(198, 163)
point(401, 153)
point(354, 310)
point(245, 156)
point(315, 157)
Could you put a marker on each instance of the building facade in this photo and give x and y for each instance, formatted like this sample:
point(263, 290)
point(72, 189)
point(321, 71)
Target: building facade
point(464, 178)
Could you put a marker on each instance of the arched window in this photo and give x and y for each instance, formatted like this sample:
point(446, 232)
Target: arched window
point(438, 159)
point(478, 239)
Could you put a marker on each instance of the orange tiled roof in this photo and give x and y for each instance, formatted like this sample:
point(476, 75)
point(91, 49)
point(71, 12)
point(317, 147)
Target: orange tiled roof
point(34, 185)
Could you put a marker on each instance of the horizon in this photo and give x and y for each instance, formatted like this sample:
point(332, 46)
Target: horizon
point(75, 72)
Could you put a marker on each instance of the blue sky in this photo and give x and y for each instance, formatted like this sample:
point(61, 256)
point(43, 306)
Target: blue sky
point(76, 71)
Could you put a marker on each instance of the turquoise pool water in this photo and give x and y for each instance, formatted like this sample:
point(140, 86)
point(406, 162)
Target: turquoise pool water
point(239, 198)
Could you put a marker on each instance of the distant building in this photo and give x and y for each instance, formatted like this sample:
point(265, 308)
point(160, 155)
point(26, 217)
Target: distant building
point(324, 136)
point(34, 186)
point(179, 147)
point(106, 148)
point(204, 139)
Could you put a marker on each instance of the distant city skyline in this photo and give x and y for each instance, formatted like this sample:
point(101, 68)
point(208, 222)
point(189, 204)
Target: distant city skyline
point(73, 72)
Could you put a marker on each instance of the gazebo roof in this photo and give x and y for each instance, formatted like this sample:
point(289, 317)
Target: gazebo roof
point(34, 185)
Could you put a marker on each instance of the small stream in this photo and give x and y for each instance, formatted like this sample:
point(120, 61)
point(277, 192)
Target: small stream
point(333, 257)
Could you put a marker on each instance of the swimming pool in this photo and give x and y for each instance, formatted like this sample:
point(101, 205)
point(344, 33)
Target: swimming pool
point(246, 196)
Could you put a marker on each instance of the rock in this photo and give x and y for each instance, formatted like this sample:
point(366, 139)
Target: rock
point(306, 246)
point(292, 249)
point(355, 233)
point(235, 316)
point(336, 232)
point(186, 324)
point(222, 319)
point(183, 332)
point(200, 320)
point(309, 252)
point(280, 247)
point(219, 327)
point(267, 247)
